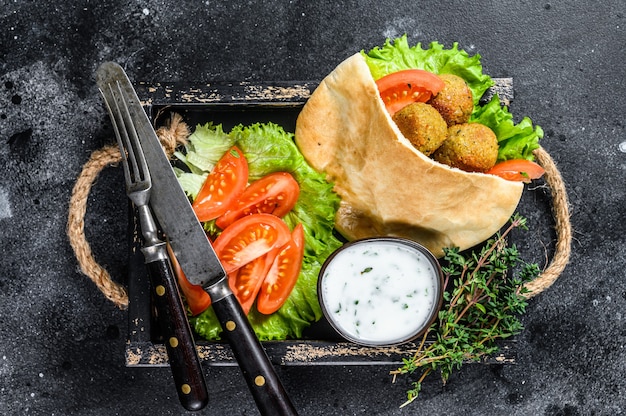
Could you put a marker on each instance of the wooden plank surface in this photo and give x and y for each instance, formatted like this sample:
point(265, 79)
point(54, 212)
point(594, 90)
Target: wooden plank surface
point(300, 353)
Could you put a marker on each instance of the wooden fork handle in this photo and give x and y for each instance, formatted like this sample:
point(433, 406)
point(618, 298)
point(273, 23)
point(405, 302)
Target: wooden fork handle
point(179, 343)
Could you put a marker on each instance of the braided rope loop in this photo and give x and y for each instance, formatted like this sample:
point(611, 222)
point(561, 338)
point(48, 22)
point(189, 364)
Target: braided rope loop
point(170, 136)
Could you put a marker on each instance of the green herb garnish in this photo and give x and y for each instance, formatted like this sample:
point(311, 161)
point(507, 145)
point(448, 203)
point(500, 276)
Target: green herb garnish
point(483, 300)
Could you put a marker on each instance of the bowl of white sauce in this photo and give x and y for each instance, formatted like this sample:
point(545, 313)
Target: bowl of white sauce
point(381, 291)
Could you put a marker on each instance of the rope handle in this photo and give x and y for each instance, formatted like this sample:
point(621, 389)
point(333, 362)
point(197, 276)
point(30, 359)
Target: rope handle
point(172, 135)
point(113, 291)
point(563, 227)
point(175, 133)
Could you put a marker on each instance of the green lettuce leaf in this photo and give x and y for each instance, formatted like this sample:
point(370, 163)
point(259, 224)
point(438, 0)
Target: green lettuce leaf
point(207, 144)
point(190, 182)
point(397, 56)
point(269, 148)
point(516, 141)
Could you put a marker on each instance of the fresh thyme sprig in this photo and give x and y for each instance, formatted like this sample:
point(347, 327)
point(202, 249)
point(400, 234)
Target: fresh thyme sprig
point(483, 299)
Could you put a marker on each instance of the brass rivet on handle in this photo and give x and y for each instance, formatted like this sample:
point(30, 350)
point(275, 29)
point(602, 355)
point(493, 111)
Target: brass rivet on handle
point(230, 325)
point(174, 342)
point(185, 388)
point(160, 290)
point(259, 381)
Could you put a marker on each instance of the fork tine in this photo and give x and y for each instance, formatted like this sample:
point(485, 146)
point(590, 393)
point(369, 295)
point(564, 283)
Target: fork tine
point(115, 121)
point(140, 166)
point(136, 171)
point(123, 139)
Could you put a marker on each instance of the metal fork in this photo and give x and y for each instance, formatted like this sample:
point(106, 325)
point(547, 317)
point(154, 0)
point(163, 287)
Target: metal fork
point(184, 361)
point(138, 182)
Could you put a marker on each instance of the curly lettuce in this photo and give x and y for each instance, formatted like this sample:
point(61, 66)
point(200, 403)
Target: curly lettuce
point(516, 141)
point(269, 148)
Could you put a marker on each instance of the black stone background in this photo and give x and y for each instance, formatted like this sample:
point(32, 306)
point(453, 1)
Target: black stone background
point(62, 342)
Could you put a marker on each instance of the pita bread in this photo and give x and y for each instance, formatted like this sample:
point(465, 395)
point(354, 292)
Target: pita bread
point(387, 187)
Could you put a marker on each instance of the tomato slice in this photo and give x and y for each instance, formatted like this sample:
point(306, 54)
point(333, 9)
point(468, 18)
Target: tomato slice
point(250, 237)
point(402, 88)
point(283, 274)
point(247, 280)
point(197, 299)
point(276, 193)
point(521, 170)
point(224, 184)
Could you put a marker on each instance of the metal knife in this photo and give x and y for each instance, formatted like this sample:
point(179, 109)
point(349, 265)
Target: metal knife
point(197, 258)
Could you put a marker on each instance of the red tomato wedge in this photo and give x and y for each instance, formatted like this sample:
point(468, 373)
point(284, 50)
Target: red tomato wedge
point(248, 238)
point(197, 299)
point(225, 183)
point(402, 88)
point(246, 281)
point(283, 274)
point(276, 193)
point(521, 170)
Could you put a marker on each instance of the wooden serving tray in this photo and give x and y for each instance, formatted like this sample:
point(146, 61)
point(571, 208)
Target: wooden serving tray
point(246, 103)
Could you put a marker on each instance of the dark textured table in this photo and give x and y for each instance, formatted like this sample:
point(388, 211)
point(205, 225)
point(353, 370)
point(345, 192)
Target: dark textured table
point(62, 343)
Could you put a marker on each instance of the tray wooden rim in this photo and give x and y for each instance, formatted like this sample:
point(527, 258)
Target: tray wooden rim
point(143, 349)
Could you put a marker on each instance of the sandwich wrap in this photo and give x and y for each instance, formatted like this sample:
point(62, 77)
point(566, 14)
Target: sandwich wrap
point(386, 186)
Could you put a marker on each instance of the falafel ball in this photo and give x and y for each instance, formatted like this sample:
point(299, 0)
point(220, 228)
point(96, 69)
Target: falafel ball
point(455, 101)
point(471, 147)
point(422, 125)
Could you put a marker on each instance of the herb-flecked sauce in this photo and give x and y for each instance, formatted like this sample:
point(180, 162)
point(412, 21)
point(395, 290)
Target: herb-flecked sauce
point(380, 292)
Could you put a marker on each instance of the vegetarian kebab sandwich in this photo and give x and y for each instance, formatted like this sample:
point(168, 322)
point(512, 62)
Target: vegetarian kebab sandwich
point(401, 133)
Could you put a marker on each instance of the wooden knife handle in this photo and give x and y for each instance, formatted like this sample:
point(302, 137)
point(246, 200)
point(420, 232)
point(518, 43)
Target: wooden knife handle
point(259, 373)
point(181, 349)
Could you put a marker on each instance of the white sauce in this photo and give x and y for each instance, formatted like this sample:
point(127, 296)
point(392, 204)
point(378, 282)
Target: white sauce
point(380, 292)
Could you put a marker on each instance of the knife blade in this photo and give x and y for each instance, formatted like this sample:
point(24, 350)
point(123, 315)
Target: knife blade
point(168, 200)
point(197, 258)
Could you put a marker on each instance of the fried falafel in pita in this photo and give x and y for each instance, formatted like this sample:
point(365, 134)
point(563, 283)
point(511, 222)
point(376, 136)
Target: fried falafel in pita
point(387, 187)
